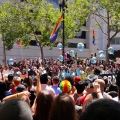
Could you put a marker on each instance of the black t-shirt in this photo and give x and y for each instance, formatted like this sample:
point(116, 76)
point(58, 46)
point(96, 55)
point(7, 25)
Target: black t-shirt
point(32, 97)
point(48, 71)
point(35, 118)
point(3, 88)
point(8, 87)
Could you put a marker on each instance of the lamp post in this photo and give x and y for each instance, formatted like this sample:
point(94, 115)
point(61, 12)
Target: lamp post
point(4, 51)
point(62, 6)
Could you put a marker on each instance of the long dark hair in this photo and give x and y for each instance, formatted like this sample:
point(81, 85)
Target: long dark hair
point(63, 108)
point(43, 105)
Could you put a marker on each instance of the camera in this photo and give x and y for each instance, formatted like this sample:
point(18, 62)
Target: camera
point(90, 85)
point(31, 72)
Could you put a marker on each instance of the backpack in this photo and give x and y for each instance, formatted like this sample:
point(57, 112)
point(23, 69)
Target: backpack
point(80, 100)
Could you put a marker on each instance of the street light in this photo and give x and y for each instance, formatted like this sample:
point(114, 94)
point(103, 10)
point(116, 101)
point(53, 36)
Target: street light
point(4, 51)
point(62, 5)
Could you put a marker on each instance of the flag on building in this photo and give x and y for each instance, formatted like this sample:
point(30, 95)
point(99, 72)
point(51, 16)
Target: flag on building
point(58, 26)
point(94, 41)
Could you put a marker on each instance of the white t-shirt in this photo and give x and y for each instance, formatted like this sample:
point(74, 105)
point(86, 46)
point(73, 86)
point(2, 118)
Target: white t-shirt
point(116, 99)
point(46, 87)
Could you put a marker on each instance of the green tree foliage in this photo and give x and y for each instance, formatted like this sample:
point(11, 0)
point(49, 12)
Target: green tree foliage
point(76, 14)
point(21, 20)
point(109, 12)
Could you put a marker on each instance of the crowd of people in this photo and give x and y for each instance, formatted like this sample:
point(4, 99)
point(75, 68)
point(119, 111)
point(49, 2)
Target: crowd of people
point(76, 90)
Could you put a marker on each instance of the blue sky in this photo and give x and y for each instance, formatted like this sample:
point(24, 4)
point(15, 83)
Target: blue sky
point(55, 2)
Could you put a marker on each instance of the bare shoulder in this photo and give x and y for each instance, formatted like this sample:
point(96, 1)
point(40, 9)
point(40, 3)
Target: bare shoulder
point(88, 98)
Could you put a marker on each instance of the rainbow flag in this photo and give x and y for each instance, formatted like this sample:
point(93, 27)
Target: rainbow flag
point(94, 41)
point(58, 26)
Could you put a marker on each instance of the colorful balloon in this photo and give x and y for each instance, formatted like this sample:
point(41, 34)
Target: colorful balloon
point(65, 56)
point(80, 46)
point(61, 58)
point(59, 46)
point(110, 50)
point(93, 60)
point(101, 53)
point(72, 53)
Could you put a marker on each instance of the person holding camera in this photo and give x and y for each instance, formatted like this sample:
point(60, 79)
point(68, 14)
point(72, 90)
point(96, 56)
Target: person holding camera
point(98, 92)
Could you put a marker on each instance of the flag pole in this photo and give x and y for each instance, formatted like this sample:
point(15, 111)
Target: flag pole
point(4, 51)
point(62, 6)
point(21, 52)
point(94, 42)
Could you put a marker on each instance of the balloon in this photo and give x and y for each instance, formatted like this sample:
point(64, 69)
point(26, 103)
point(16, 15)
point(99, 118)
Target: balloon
point(93, 60)
point(72, 53)
point(65, 56)
point(110, 50)
point(61, 57)
point(59, 46)
point(37, 44)
point(11, 61)
point(101, 53)
point(80, 46)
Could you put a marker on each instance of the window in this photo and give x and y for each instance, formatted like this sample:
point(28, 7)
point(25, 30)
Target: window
point(22, 0)
point(84, 24)
point(74, 45)
point(115, 41)
point(33, 43)
point(81, 34)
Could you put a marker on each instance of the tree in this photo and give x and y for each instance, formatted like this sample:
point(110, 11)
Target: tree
point(6, 23)
point(43, 17)
point(39, 17)
point(22, 20)
point(28, 18)
point(76, 15)
point(110, 17)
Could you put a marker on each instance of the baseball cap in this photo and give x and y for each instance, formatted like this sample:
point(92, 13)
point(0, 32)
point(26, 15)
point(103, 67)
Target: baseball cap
point(91, 77)
point(77, 79)
point(15, 109)
point(20, 88)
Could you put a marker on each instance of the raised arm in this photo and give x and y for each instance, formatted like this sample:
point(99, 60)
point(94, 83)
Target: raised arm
point(38, 88)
